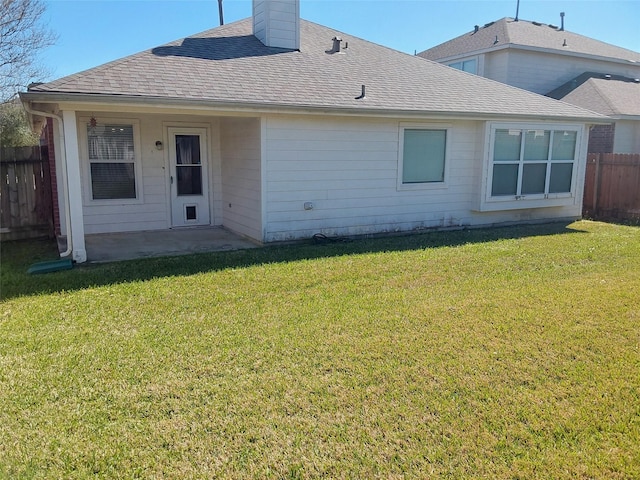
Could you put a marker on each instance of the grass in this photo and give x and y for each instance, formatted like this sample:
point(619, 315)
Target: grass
point(505, 353)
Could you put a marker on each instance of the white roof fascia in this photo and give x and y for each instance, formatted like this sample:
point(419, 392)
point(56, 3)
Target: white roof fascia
point(553, 51)
point(113, 103)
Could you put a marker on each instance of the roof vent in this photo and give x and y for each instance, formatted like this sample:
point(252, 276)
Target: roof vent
point(363, 95)
point(537, 24)
point(562, 21)
point(496, 40)
point(555, 27)
point(608, 77)
point(637, 80)
point(488, 24)
point(337, 41)
point(564, 44)
point(476, 28)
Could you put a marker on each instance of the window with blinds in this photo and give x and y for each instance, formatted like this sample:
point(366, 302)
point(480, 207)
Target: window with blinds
point(423, 155)
point(111, 161)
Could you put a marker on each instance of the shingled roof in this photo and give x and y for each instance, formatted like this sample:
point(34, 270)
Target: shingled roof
point(523, 33)
point(611, 95)
point(229, 66)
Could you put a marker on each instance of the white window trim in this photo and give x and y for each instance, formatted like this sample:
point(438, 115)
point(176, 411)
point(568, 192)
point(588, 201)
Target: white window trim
point(513, 202)
point(88, 199)
point(447, 154)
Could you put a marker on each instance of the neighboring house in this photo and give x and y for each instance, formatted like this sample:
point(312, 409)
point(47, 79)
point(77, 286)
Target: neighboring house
point(277, 128)
point(549, 60)
point(612, 95)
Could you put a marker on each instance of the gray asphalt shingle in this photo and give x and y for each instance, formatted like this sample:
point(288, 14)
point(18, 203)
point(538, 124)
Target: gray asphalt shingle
point(229, 65)
point(507, 31)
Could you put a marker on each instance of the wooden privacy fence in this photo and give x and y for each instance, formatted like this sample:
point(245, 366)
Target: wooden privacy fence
point(26, 209)
point(612, 187)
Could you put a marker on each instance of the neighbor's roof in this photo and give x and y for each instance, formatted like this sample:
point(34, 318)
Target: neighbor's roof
point(611, 95)
point(523, 33)
point(228, 66)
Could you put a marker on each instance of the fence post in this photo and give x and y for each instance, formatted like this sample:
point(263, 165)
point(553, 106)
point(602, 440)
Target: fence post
point(596, 186)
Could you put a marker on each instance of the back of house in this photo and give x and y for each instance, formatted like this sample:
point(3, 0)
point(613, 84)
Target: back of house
point(277, 128)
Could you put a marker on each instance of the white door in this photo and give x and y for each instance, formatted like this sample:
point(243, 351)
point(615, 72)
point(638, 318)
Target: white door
point(188, 162)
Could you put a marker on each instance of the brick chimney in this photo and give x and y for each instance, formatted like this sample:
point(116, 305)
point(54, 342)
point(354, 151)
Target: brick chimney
point(276, 23)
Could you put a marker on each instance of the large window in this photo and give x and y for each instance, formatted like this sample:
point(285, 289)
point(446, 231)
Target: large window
point(112, 166)
point(532, 162)
point(423, 155)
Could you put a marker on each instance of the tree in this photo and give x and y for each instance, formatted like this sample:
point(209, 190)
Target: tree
point(14, 126)
point(22, 37)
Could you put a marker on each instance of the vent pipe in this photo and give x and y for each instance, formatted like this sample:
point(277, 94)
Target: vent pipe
point(517, 10)
point(562, 21)
point(220, 12)
point(336, 44)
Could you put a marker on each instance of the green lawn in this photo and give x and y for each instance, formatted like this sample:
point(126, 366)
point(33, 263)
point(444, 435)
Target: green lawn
point(501, 354)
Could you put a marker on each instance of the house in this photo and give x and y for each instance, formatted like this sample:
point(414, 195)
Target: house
point(277, 128)
point(549, 60)
point(615, 96)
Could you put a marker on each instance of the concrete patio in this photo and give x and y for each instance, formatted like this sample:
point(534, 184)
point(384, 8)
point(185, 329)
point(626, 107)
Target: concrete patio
point(113, 247)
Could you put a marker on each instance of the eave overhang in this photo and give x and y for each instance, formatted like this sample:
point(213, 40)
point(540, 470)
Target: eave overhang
point(108, 102)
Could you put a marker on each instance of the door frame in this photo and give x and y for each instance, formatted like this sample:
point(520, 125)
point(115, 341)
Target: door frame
point(202, 203)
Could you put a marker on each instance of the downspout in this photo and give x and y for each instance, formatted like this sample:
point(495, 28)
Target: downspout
point(65, 177)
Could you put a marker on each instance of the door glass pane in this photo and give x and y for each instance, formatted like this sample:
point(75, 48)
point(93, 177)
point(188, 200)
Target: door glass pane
point(188, 165)
point(507, 145)
point(423, 156)
point(536, 145)
point(189, 180)
point(534, 176)
point(560, 181)
point(564, 145)
point(505, 180)
point(187, 149)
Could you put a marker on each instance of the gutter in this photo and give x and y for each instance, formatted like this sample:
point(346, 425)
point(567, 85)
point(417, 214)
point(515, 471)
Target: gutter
point(65, 176)
point(231, 108)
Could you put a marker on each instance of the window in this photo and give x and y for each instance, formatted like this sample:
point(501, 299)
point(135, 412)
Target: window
point(112, 165)
point(470, 66)
point(532, 162)
point(423, 155)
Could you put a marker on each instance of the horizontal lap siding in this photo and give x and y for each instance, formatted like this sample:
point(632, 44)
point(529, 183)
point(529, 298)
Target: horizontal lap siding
point(241, 184)
point(151, 212)
point(540, 72)
point(347, 168)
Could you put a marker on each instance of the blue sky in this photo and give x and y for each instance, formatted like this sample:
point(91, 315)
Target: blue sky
point(93, 32)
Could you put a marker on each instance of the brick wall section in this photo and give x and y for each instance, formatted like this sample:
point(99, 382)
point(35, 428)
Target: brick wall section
point(601, 138)
point(48, 132)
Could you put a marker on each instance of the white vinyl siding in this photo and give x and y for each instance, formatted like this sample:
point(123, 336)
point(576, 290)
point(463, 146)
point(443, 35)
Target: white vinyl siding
point(276, 23)
point(150, 211)
point(627, 136)
point(541, 72)
point(347, 169)
point(241, 183)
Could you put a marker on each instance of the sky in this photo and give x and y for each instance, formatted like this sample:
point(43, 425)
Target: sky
point(93, 32)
